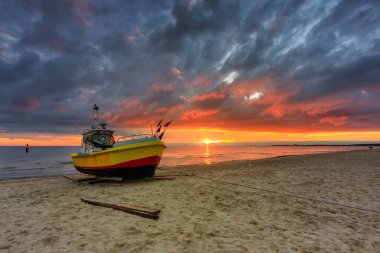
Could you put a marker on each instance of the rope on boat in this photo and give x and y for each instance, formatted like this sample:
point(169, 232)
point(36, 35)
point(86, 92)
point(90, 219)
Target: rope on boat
point(283, 193)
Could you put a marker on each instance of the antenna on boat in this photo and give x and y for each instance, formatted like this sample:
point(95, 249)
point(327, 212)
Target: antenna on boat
point(163, 132)
point(95, 108)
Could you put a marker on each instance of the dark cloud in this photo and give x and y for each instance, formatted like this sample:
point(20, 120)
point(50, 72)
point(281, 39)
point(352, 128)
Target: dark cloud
point(332, 80)
point(249, 63)
point(192, 19)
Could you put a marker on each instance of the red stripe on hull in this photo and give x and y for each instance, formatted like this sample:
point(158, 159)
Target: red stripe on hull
point(146, 161)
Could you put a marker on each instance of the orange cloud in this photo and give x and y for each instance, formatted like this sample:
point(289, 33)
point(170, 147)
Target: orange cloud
point(136, 122)
point(83, 11)
point(109, 117)
point(177, 72)
point(211, 95)
point(168, 109)
point(27, 104)
point(335, 121)
point(162, 87)
point(278, 106)
point(60, 109)
point(130, 103)
point(265, 84)
point(136, 34)
point(196, 114)
point(317, 108)
point(131, 38)
point(199, 81)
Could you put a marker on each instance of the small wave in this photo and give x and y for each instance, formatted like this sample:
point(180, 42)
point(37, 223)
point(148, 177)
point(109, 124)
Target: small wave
point(8, 168)
point(70, 162)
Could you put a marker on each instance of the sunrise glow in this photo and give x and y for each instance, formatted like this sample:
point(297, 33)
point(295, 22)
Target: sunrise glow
point(199, 135)
point(207, 141)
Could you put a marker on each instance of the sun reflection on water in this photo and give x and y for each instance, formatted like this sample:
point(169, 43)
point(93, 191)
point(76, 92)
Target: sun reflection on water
point(207, 154)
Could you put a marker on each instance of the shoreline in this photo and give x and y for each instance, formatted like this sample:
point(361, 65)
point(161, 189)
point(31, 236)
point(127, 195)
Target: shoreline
point(203, 215)
point(172, 166)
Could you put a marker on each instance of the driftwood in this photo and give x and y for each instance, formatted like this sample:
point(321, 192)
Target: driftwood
point(149, 213)
point(137, 208)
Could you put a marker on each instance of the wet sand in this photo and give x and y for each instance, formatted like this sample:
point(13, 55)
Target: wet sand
point(257, 211)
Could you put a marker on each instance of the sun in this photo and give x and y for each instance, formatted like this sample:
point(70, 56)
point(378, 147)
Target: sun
point(207, 141)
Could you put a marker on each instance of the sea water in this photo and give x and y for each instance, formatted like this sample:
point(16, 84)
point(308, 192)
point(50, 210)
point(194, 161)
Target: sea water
point(50, 161)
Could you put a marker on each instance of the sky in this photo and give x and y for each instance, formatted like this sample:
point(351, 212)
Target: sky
point(224, 71)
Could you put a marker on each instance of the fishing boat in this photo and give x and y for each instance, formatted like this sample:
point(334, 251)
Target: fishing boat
point(134, 156)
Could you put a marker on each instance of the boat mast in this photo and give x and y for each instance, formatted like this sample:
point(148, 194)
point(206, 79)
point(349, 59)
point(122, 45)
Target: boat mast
point(95, 109)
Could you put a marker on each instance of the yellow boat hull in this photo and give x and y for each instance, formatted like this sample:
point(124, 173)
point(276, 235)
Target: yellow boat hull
point(132, 159)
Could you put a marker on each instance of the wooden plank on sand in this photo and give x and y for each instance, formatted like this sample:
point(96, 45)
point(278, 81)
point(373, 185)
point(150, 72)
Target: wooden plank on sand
point(140, 211)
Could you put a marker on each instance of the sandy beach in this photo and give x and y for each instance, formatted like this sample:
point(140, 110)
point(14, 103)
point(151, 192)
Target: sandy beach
point(244, 206)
